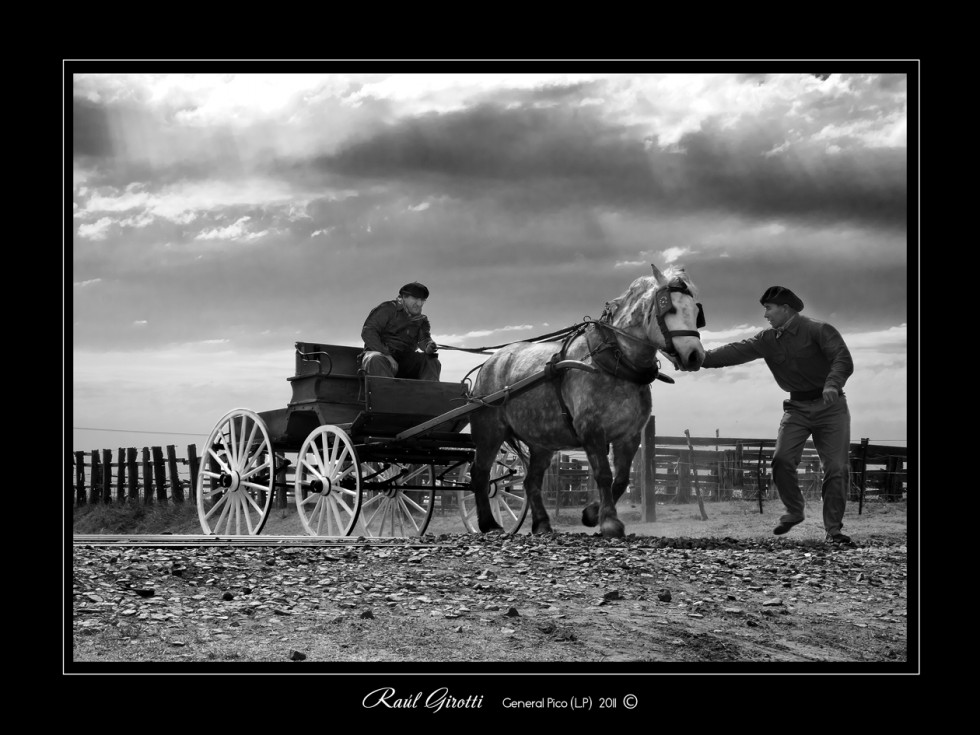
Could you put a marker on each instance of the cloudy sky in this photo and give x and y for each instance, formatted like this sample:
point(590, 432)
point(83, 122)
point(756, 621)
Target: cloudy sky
point(216, 219)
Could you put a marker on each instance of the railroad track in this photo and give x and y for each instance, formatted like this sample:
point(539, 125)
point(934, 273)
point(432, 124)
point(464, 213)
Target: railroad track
point(164, 540)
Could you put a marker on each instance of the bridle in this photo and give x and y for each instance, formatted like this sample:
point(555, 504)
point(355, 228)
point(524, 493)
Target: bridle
point(609, 355)
point(665, 305)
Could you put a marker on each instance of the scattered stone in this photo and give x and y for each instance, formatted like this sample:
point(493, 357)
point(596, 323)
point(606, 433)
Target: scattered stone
point(664, 596)
point(297, 655)
point(367, 615)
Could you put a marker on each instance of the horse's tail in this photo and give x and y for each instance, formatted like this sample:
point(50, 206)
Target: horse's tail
point(518, 449)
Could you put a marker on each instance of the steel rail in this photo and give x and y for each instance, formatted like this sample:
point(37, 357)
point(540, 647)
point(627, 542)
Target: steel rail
point(171, 540)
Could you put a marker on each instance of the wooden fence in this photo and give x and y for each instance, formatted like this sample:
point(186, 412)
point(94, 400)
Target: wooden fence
point(146, 477)
point(737, 468)
point(664, 470)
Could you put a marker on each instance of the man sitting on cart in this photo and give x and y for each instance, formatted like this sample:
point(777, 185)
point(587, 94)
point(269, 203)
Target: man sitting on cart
point(393, 333)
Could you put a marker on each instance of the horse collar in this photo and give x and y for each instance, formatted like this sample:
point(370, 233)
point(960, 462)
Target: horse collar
point(611, 359)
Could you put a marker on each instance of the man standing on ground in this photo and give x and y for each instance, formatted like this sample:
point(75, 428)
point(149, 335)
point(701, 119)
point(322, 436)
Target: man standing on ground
point(808, 358)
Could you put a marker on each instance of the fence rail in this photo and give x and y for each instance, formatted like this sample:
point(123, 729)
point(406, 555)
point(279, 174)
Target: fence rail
point(664, 470)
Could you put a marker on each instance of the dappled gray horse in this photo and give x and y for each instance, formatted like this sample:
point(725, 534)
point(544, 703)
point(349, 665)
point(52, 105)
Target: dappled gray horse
point(583, 409)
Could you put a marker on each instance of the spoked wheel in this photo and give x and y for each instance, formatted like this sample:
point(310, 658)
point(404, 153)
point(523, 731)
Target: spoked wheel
point(237, 476)
point(397, 499)
point(508, 500)
point(327, 486)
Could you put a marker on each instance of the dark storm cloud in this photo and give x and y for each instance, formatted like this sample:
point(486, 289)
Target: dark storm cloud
point(91, 136)
point(734, 173)
point(559, 158)
point(488, 143)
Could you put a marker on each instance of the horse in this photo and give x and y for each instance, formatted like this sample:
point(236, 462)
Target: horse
point(586, 409)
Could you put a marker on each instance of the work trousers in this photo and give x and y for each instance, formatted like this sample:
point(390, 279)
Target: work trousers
point(412, 365)
point(830, 426)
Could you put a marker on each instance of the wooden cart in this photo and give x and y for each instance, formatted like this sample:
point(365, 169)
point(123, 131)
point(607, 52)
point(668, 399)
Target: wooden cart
point(359, 455)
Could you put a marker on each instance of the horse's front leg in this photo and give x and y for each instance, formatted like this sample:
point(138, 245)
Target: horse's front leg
point(538, 464)
point(609, 523)
point(623, 454)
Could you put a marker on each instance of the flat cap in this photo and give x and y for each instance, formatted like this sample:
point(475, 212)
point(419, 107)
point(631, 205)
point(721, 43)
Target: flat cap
point(415, 289)
point(781, 295)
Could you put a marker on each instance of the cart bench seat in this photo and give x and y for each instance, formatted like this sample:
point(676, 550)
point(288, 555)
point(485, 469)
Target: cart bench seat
point(329, 389)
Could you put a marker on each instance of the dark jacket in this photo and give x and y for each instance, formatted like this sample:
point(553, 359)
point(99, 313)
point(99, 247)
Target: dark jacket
point(390, 330)
point(808, 355)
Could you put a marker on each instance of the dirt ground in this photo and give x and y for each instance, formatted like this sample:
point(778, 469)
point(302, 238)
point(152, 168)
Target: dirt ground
point(721, 595)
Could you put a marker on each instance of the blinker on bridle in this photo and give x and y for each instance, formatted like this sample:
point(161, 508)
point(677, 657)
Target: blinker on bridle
point(665, 306)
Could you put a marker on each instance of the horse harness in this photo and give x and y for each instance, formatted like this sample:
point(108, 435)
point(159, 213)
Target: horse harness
point(608, 356)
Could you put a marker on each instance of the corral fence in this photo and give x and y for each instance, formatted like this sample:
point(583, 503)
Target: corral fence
point(667, 469)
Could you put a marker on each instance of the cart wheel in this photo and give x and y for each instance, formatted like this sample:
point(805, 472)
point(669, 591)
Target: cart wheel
point(327, 486)
point(237, 476)
point(397, 499)
point(508, 501)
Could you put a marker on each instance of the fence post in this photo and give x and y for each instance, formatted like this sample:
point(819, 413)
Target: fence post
point(160, 473)
point(864, 473)
point(95, 489)
point(70, 483)
point(134, 475)
point(121, 476)
point(107, 476)
point(548, 486)
point(738, 475)
point(760, 478)
point(648, 481)
point(80, 478)
point(684, 460)
point(894, 483)
point(194, 463)
point(147, 477)
point(176, 491)
point(279, 487)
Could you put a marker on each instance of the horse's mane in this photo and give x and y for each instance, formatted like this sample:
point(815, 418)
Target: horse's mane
point(637, 300)
point(677, 271)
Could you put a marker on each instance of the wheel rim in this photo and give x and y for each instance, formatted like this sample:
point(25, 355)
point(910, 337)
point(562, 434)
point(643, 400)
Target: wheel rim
point(508, 500)
point(397, 499)
point(327, 485)
point(236, 480)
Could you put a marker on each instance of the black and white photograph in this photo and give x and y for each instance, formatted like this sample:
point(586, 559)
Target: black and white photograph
point(424, 371)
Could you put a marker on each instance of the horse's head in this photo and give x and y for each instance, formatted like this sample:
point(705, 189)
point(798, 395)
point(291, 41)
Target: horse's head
point(662, 309)
point(679, 316)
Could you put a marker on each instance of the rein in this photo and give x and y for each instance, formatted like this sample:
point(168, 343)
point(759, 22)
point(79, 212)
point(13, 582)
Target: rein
point(607, 354)
point(550, 337)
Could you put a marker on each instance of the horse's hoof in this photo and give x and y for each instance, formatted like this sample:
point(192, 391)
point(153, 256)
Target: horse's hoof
point(541, 530)
point(613, 528)
point(495, 528)
point(590, 515)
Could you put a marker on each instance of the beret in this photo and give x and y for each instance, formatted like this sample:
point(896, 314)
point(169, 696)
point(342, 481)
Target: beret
point(781, 295)
point(415, 289)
